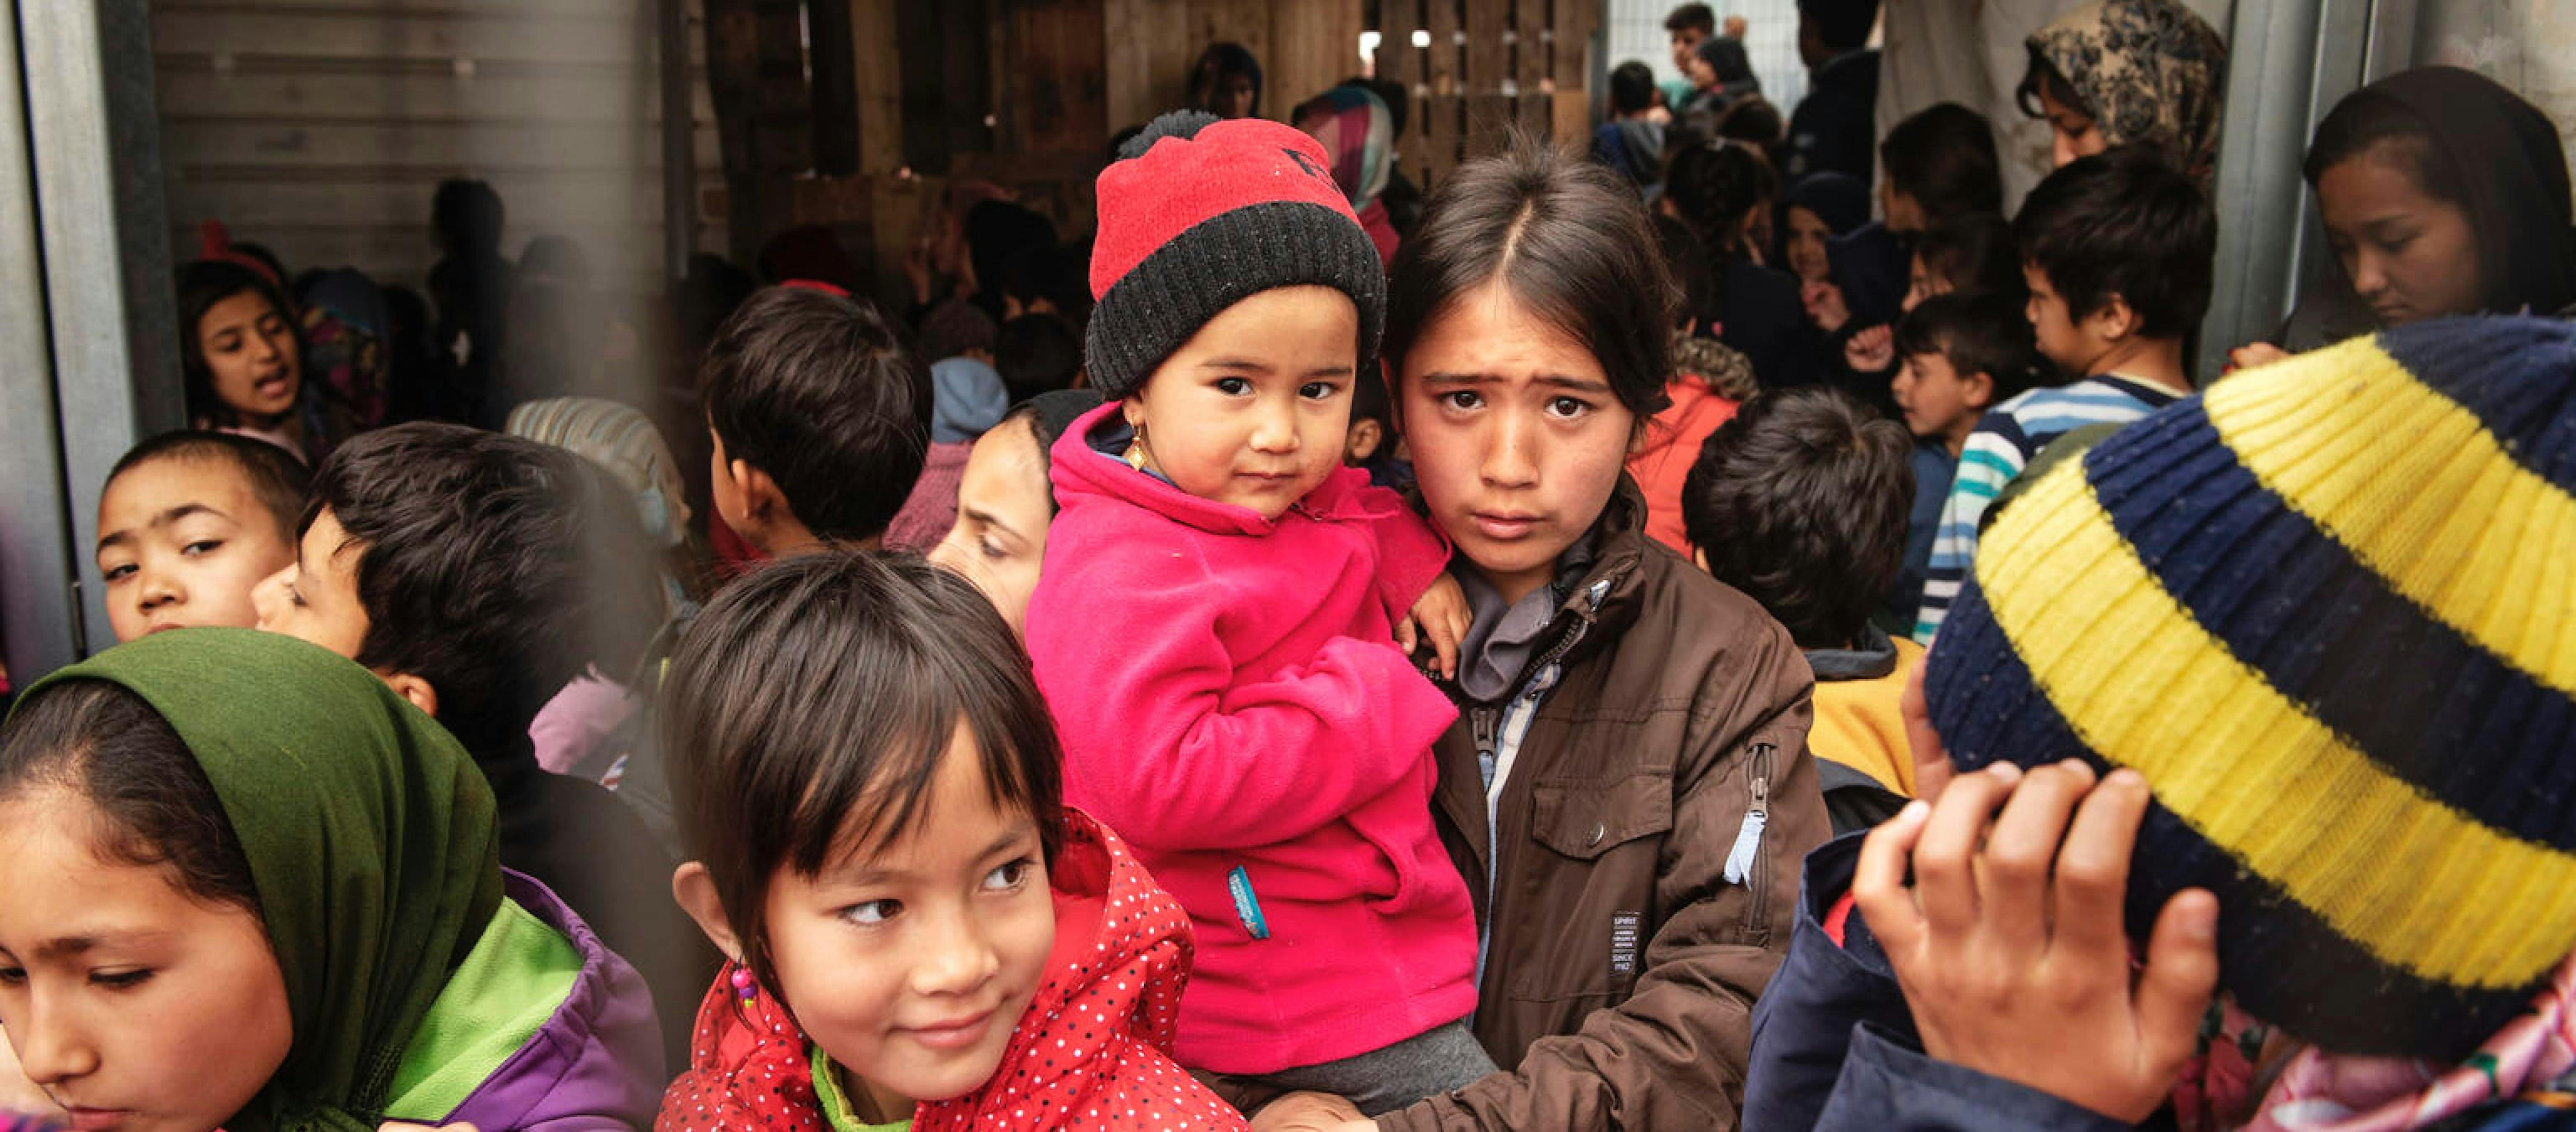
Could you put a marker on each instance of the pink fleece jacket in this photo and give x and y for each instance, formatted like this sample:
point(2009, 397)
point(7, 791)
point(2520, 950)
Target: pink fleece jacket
point(1232, 703)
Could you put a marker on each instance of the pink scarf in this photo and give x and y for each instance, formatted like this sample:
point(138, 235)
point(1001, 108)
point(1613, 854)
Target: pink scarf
point(2323, 1092)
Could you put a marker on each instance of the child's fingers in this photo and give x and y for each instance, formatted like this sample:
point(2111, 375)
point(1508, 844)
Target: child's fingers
point(2092, 877)
point(2181, 974)
point(1878, 882)
point(1945, 874)
point(1444, 639)
point(1404, 635)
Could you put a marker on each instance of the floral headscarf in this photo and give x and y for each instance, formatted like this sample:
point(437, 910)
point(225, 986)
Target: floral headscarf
point(2148, 71)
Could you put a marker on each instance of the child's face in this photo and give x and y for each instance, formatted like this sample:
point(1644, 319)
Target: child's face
point(132, 1004)
point(1921, 284)
point(183, 542)
point(1253, 409)
point(1806, 246)
point(2065, 337)
point(1004, 508)
point(315, 598)
point(1516, 437)
point(1939, 402)
point(911, 964)
point(251, 353)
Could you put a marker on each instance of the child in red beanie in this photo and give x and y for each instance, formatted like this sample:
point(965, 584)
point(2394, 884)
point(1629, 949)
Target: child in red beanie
point(1216, 624)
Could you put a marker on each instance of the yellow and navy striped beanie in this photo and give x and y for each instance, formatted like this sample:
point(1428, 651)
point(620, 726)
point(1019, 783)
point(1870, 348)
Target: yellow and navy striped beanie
point(2328, 608)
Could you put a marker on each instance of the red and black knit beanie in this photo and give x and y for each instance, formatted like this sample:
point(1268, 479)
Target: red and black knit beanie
point(1201, 214)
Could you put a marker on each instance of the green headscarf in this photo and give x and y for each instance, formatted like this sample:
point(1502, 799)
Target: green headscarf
point(370, 835)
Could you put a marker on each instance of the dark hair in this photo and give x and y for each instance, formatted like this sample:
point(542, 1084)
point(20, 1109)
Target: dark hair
point(1690, 16)
point(2123, 223)
point(268, 259)
point(1702, 286)
point(1035, 353)
point(203, 285)
point(556, 259)
point(1974, 252)
point(817, 390)
point(1843, 25)
point(1801, 502)
point(815, 699)
point(1058, 274)
point(1369, 400)
point(1049, 414)
point(1220, 60)
point(277, 482)
point(1715, 185)
point(1755, 122)
point(1979, 333)
point(1944, 158)
point(954, 327)
point(105, 743)
point(1632, 87)
point(493, 567)
point(2039, 74)
point(997, 230)
point(1569, 240)
point(467, 215)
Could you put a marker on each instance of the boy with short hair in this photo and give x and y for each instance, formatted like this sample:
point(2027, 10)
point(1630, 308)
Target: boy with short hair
point(820, 417)
point(477, 574)
point(189, 524)
point(1959, 355)
point(1688, 25)
point(1632, 141)
point(1799, 501)
point(2118, 250)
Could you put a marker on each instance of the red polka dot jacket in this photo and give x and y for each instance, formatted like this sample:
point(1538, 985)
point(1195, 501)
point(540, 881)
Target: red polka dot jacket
point(1092, 1052)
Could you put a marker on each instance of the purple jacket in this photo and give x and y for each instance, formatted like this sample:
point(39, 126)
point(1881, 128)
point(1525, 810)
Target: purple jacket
point(597, 1064)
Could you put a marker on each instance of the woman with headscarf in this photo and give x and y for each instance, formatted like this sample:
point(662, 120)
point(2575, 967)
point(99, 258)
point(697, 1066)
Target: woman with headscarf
point(1724, 75)
point(2442, 193)
point(1357, 129)
point(2118, 72)
point(285, 887)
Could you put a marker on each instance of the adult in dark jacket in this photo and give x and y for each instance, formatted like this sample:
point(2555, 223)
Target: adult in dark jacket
point(1628, 783)
point(1834, 128)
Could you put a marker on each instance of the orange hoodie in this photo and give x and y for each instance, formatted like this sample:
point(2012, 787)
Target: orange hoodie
point(1709, 384)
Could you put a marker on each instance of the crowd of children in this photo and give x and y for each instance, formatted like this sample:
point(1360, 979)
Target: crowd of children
point(1319, 658)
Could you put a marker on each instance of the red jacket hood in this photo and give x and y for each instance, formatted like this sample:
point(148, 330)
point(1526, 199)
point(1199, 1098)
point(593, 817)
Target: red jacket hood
point(1103, 1019)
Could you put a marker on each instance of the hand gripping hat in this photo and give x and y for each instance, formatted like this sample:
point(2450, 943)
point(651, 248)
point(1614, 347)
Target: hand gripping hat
point(2328, 609)
point(1201, 214)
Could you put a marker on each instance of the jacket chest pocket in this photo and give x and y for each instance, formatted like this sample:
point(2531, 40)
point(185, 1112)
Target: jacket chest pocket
point(1586, 907)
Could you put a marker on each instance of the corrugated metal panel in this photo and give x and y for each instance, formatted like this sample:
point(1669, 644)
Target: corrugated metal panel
point(321, 128)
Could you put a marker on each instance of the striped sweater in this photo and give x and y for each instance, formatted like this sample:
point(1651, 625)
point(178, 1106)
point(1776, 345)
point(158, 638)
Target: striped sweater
point(2003, 444)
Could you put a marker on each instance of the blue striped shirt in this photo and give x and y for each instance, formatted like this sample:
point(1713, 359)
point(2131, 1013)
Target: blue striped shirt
point(2003, 444)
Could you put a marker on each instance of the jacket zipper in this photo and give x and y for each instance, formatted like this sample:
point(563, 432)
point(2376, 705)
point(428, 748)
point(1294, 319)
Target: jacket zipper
point(1757, 882)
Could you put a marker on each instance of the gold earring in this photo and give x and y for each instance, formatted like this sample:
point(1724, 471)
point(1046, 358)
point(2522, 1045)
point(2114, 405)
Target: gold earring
point(1135, 455)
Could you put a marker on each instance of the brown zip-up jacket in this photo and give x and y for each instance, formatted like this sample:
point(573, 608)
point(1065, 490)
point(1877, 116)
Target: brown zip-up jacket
point(1621, 964)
